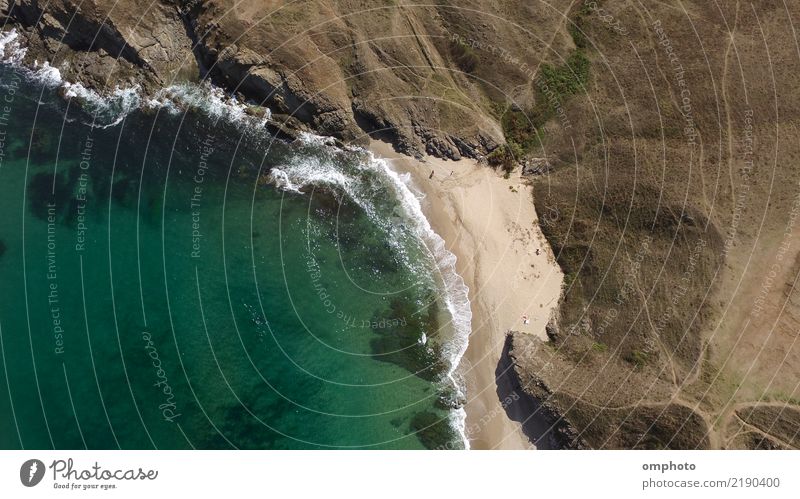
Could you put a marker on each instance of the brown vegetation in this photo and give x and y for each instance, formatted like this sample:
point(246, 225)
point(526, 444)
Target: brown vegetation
point(671, 204)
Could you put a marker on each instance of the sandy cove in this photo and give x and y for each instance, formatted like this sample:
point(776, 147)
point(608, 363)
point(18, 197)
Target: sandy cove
point(490, 224)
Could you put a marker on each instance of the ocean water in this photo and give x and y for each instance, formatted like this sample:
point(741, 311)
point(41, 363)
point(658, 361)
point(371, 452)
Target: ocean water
point(172, 277)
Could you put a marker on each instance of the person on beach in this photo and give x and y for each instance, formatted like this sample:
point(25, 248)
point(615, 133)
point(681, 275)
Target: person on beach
point(525, 319)
point(431, 175)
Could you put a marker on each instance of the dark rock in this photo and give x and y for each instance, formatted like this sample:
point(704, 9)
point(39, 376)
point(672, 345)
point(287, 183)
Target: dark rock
point(564, 435)
point(551, 329)
point(326, 79)
point(465, 148)
point(536, 166)
point(434, 431)
point(285, 127)
point(488, 143)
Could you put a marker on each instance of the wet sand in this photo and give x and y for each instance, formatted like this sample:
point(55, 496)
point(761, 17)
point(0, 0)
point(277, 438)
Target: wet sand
point(490, 224)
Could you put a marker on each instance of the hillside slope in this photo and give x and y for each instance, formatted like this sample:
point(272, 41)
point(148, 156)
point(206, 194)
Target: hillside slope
point(401, 72)
point(661, 139)
point(673, 213)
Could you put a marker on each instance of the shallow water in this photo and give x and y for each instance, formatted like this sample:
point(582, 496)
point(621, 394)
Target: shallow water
point(178, 279)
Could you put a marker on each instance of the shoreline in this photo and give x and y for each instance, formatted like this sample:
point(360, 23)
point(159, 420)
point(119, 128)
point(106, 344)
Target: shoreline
point(489, 223)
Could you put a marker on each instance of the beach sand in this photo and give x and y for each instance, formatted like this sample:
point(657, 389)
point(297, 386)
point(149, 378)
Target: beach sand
point(490, 224)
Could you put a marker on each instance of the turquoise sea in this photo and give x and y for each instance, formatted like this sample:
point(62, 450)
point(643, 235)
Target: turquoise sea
point(173, 277)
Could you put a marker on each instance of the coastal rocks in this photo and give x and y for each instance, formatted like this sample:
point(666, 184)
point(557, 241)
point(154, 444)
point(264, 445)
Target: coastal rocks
point(563, 434)
point(587, 421)
point(551, 329)
point(103, 46)
point(349, 78)
point(285, 127)
point(370, 119)
point(536, 166)
point(262, 80)
point(442, 148)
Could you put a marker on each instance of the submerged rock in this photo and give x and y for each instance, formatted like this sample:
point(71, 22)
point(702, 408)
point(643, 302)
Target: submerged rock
point(434, 431)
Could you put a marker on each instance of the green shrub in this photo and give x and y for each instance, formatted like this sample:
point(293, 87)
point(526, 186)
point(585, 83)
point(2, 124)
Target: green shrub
point(555, 85)
point(637, 358)
point(505, 156)
point(577, 26)
point(576, 31)
point(566, 79)
point(519, 127)
point(464, 56)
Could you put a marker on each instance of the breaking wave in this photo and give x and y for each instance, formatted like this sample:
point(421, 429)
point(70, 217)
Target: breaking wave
point(368, 181)
point(108, 109)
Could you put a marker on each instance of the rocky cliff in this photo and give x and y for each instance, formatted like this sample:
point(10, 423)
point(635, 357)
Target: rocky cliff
point(663, 141)
point(105, 44)
point(406, 74)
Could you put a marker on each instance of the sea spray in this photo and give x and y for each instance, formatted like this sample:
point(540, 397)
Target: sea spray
point(105, 110)
point(11, 51)
point(213, 102)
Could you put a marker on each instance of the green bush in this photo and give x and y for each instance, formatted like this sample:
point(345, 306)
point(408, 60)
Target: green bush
point(576, 31)
point(577, 26)
point(463, 55)
point(505, 156)
point(567, 79)
point(637, 358)
point(519, 127)
point(556, 84)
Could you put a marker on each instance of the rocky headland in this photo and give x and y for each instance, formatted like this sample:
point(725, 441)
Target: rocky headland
point(657, 142)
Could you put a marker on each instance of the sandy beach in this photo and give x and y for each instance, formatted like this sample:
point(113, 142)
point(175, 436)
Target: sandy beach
point(490, 224)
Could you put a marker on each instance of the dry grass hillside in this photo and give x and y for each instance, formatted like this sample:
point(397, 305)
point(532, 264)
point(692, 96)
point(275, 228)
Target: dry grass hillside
point(663, 142)
point(672, 209)
point(427, 77)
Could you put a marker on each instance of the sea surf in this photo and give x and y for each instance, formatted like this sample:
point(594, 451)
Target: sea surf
point(176, 277)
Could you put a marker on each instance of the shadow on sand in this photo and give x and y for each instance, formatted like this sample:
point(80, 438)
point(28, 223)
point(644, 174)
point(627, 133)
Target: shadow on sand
point(521, 407)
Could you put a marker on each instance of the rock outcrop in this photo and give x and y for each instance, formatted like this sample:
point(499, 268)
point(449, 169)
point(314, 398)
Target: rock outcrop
point(647, 220)
point(347, 69)
point(578, 423)
point(103, 44)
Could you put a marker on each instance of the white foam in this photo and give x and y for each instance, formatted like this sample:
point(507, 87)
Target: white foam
point(302, 171)
point(11, 51)
point(322, 169)
point(317, 140)
point(47, 74)
point(110, 108)
point(282, 181)
point(106, 110)
point(210, 100)
point(458, 420)
point(456, 292)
